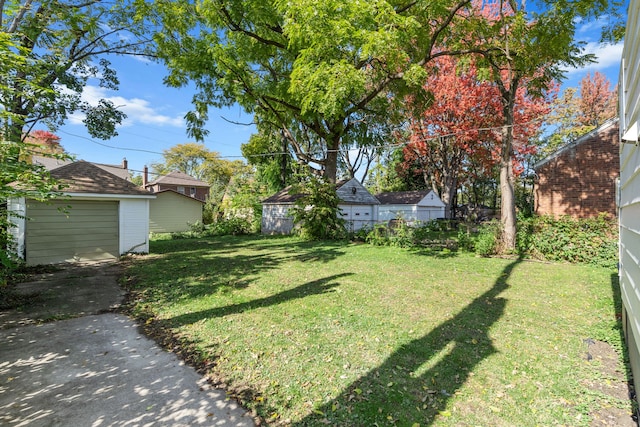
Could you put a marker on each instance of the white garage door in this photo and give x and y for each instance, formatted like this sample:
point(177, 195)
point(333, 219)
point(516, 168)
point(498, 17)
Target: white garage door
point(86, 231)
point(357, 216)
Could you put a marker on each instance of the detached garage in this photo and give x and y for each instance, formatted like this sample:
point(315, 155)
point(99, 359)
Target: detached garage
point(412, 206)
point(358, 207)
point(99, 217)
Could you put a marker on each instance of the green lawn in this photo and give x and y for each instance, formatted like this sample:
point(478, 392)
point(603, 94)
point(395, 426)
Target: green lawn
point(352, 334)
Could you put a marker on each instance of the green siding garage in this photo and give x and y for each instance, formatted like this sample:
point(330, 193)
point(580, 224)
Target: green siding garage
point(71, 231)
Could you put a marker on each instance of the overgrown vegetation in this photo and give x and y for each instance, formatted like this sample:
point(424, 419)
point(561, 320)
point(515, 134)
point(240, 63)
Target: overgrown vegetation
point(337, 333)
point(316, 214)
point(590, 241)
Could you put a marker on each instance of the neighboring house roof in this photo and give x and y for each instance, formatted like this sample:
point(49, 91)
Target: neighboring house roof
point(51, 163)
point(85, 177)
point(416, 197)
point(178, 178)
point(349, 191)
point(169, 190)
point(611, 122)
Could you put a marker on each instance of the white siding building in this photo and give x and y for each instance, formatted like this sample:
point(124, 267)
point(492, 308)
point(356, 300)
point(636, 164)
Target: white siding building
point(411, 206)
point(629, 187)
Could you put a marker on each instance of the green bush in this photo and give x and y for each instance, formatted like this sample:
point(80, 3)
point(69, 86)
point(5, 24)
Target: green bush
point(590, 241)
point(488, 237)
point(316, 214)
point(231, 226)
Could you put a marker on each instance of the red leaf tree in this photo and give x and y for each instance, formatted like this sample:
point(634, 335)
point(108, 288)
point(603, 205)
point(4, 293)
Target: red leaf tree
point(456, 138)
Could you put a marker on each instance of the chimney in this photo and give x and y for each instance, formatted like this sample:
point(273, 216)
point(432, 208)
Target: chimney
point(145, 177)
point(125, 164)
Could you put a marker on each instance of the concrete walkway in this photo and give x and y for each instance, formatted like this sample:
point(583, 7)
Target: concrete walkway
point(96, 369)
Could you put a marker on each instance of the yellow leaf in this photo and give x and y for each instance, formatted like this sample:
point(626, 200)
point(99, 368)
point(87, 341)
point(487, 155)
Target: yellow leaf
point(358, 391)
point(415, 425)
point(445, 413)
point(474, 341)
point(390, 384)
point(318, 411)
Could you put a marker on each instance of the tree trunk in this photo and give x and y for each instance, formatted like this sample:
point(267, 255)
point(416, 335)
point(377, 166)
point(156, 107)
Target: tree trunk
point(507, 202)
point(331, 165)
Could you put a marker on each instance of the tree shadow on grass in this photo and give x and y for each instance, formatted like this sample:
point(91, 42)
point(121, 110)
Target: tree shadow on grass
point(202, 267)
point(415, 383)
point(316, 287)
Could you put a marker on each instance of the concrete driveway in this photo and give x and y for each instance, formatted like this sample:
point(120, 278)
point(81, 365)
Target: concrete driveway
point(95, 369)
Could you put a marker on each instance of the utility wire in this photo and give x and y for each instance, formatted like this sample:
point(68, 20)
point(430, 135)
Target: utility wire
point(340, 150)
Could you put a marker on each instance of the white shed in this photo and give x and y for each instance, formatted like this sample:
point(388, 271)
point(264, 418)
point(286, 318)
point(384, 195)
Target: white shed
point(629, 188)
point(358, 207)
point(412, 206)
point(98, 217)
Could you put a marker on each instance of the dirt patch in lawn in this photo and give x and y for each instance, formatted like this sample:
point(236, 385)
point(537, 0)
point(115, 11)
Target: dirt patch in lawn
point(612, 380)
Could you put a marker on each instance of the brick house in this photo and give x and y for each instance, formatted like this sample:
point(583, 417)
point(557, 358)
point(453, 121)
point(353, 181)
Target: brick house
point(579, 179)
point(178, 182)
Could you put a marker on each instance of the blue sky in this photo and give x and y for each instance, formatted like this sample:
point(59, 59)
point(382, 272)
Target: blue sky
point(155, 112)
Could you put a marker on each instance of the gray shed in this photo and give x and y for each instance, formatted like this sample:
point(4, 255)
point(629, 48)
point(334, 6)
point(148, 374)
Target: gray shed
point(359, 208)
point(412, 206)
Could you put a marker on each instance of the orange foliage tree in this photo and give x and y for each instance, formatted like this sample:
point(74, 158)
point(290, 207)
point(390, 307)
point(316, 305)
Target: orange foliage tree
point(456, 138)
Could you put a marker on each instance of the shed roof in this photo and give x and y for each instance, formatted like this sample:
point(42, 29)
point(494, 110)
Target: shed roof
point(344, 188)
point(611, 122)
point(416, 197)
point(401, 197)
point(179, 178)
point(85, 177)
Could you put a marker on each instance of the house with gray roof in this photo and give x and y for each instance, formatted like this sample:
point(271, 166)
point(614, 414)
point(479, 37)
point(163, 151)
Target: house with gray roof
point(97, 216)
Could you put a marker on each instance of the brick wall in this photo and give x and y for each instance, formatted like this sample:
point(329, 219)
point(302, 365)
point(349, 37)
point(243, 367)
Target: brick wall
point(581, 180)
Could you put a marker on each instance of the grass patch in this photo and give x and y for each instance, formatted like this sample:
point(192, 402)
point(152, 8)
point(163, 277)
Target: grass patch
point(352, 334)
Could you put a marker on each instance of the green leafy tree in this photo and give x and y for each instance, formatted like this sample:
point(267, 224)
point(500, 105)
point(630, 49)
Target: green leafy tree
point(269, 152)
point(198, 161)
point(316, 214)
point(324, 73)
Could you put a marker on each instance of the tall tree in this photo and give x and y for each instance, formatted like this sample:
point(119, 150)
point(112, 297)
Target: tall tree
point(320, 71)
point(454, 138)
point(63, 44)
point(581, 109)
point(201, 163)
point(522, 48)
point(598, 102)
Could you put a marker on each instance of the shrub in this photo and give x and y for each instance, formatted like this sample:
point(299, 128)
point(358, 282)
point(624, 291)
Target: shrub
point(591, 241)
point(317, 215)
point(231, 226)
point(488, 237)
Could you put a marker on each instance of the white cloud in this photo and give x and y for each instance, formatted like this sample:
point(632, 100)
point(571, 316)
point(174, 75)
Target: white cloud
point(607, 55)
point(137, 110)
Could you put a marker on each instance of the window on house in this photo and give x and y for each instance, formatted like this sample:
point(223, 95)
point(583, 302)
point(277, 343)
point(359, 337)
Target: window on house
point(192, 191)
point(180, 190)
